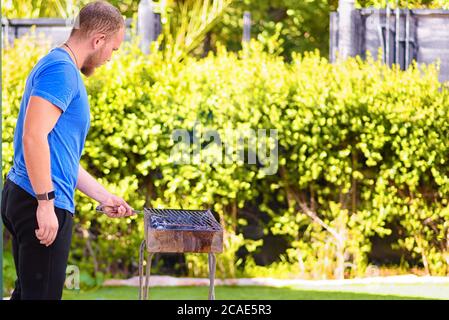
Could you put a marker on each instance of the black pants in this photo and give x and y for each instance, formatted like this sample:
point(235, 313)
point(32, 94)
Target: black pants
point(40, 270)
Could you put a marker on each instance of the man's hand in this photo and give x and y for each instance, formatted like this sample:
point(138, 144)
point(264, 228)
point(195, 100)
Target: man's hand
point(47, 222)
point(116, 207)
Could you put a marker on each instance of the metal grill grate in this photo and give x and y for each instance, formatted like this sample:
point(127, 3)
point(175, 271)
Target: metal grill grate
point(185, 220)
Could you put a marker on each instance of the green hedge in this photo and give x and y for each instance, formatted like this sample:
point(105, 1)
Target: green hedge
point(361, 147)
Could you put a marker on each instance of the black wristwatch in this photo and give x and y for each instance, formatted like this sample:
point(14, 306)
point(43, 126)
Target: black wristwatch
point(46, 196)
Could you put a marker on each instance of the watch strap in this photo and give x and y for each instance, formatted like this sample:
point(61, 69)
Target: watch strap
point(46, 196)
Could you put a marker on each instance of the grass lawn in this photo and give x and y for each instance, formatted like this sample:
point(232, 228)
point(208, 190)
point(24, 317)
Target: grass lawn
point(342, 292)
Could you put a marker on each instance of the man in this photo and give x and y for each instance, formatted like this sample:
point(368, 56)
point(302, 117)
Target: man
point(53, 122)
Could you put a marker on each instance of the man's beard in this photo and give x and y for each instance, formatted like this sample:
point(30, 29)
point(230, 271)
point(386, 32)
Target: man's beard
point(87, 70)
point(91, 63)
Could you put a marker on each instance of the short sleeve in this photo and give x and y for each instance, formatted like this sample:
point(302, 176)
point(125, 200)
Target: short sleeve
point(56, 83)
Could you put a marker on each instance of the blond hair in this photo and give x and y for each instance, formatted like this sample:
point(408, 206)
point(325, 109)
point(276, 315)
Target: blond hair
point(98, 16)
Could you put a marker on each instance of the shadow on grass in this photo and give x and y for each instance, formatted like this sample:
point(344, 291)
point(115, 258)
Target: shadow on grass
point(226, 293)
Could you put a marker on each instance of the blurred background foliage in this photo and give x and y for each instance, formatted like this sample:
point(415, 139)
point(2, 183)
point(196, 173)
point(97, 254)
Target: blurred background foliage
point(359, 160)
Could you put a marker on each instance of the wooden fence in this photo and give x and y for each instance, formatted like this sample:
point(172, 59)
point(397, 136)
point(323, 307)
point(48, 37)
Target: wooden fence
point(402, 35)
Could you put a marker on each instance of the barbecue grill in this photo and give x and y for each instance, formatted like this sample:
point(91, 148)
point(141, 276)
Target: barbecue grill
point(181, 231)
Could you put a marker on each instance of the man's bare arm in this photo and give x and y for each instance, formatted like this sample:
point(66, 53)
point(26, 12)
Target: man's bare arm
point(91, 187)
point(116, 206)
point(41, 117)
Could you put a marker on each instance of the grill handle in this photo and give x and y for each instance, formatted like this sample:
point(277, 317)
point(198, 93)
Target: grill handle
point(101, 208)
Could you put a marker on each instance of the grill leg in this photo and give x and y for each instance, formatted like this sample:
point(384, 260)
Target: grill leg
point(143, 289)
point(141, 255)
point(212, 264)
point(146, 295)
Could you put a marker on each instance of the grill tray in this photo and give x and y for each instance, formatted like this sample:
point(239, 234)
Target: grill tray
point(170, 230)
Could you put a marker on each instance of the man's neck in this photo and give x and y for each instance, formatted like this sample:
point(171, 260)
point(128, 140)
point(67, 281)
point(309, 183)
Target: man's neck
point(76, 51)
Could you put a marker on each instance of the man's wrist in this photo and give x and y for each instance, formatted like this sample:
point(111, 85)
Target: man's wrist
point(103, 196)
point(46, 203)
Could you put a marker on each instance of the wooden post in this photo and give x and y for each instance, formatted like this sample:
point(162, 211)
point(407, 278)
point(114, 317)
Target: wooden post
point(333, 36)
point(145, 25)
point(246, 26)
point(5, 31)
point(387, 34)
point(397, 34)
point(346, 29)
point(407, 37)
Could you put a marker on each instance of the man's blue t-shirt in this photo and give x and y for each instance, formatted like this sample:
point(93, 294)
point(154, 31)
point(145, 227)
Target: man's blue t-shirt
point(56, 79)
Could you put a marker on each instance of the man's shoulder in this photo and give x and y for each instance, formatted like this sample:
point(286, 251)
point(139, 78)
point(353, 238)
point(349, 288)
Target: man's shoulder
point(54, 78)
point(53, 61)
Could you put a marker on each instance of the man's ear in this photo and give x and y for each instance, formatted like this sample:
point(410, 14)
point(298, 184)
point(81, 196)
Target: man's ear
point(98, 40)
